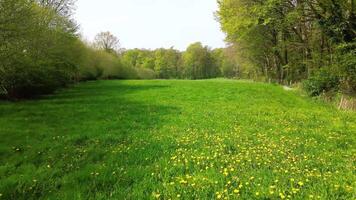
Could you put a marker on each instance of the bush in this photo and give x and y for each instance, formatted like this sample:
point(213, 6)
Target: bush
point(323, 81)
point(143, 73)
point(37, 52)
point(347, 62)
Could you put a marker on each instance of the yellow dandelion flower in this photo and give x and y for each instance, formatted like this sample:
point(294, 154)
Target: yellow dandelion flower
point(183, 182)
point(282, 196)
point(156, 195)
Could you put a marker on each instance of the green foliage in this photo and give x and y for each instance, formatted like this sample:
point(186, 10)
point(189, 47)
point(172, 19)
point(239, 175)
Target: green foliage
point(324, 81)
point(160, 139)
point(346, 54)
point(167, 63)
point(36, 49)
point(198, 62)
point(145, 73)
point(284, 41)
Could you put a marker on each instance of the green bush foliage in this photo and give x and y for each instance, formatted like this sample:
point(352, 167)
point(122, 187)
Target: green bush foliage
point(37, 49)
point(289, 41)
point(323, 81)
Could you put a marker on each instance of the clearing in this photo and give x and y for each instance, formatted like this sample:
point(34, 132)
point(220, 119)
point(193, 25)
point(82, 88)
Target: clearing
point(211, 139)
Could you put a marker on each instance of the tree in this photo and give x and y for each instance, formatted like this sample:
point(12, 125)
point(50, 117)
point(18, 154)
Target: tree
point(292, 40)
point(198, 62)
point(167, 63)
point(64, 8)
point(38, 51)
point(107, 42)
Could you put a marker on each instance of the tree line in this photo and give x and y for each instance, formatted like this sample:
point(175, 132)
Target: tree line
point(291, 41)
point(41, 51)
point(283, 41)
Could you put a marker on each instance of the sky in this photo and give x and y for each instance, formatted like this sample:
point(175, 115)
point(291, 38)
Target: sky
point(152, 24)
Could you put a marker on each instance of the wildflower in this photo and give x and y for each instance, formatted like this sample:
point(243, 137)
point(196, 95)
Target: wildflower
point(300, 183)
point(236, 191)
point(183, 182)
point(282, 196)
point(156, 195)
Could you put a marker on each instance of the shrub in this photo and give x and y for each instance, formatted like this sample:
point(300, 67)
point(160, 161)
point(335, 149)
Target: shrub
point(144, 73)
point(322, 81)
point(347, 62)
point(36, 51)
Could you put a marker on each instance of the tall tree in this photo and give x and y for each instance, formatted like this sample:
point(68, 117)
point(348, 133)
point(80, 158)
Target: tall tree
point(107, 41)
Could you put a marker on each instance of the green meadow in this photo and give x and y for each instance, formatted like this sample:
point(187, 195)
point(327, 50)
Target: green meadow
point(170, 139)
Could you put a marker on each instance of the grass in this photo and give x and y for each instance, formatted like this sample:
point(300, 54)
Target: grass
point(212, 139)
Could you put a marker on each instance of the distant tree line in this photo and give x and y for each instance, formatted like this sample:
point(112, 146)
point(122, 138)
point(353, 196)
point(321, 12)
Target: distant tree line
point(41, 51)
point(196, 62)
point(291, 41)
point(284, 41)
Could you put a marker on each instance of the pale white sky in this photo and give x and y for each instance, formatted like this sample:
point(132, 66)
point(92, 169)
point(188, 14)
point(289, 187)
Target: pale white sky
point(152, 24)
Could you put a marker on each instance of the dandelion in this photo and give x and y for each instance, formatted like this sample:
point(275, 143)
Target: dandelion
point(156, 195)
point(282, 196)
point(236, 191)
point(183, 182)
point(300, 183)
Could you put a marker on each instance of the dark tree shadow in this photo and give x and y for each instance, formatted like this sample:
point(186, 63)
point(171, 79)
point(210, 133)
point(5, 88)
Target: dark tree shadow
point(58, 129)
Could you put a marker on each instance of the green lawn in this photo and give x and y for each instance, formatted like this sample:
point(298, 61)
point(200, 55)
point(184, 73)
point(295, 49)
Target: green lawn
point(213, 139)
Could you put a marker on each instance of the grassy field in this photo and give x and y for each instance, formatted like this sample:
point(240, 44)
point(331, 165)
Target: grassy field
point(214, 139)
